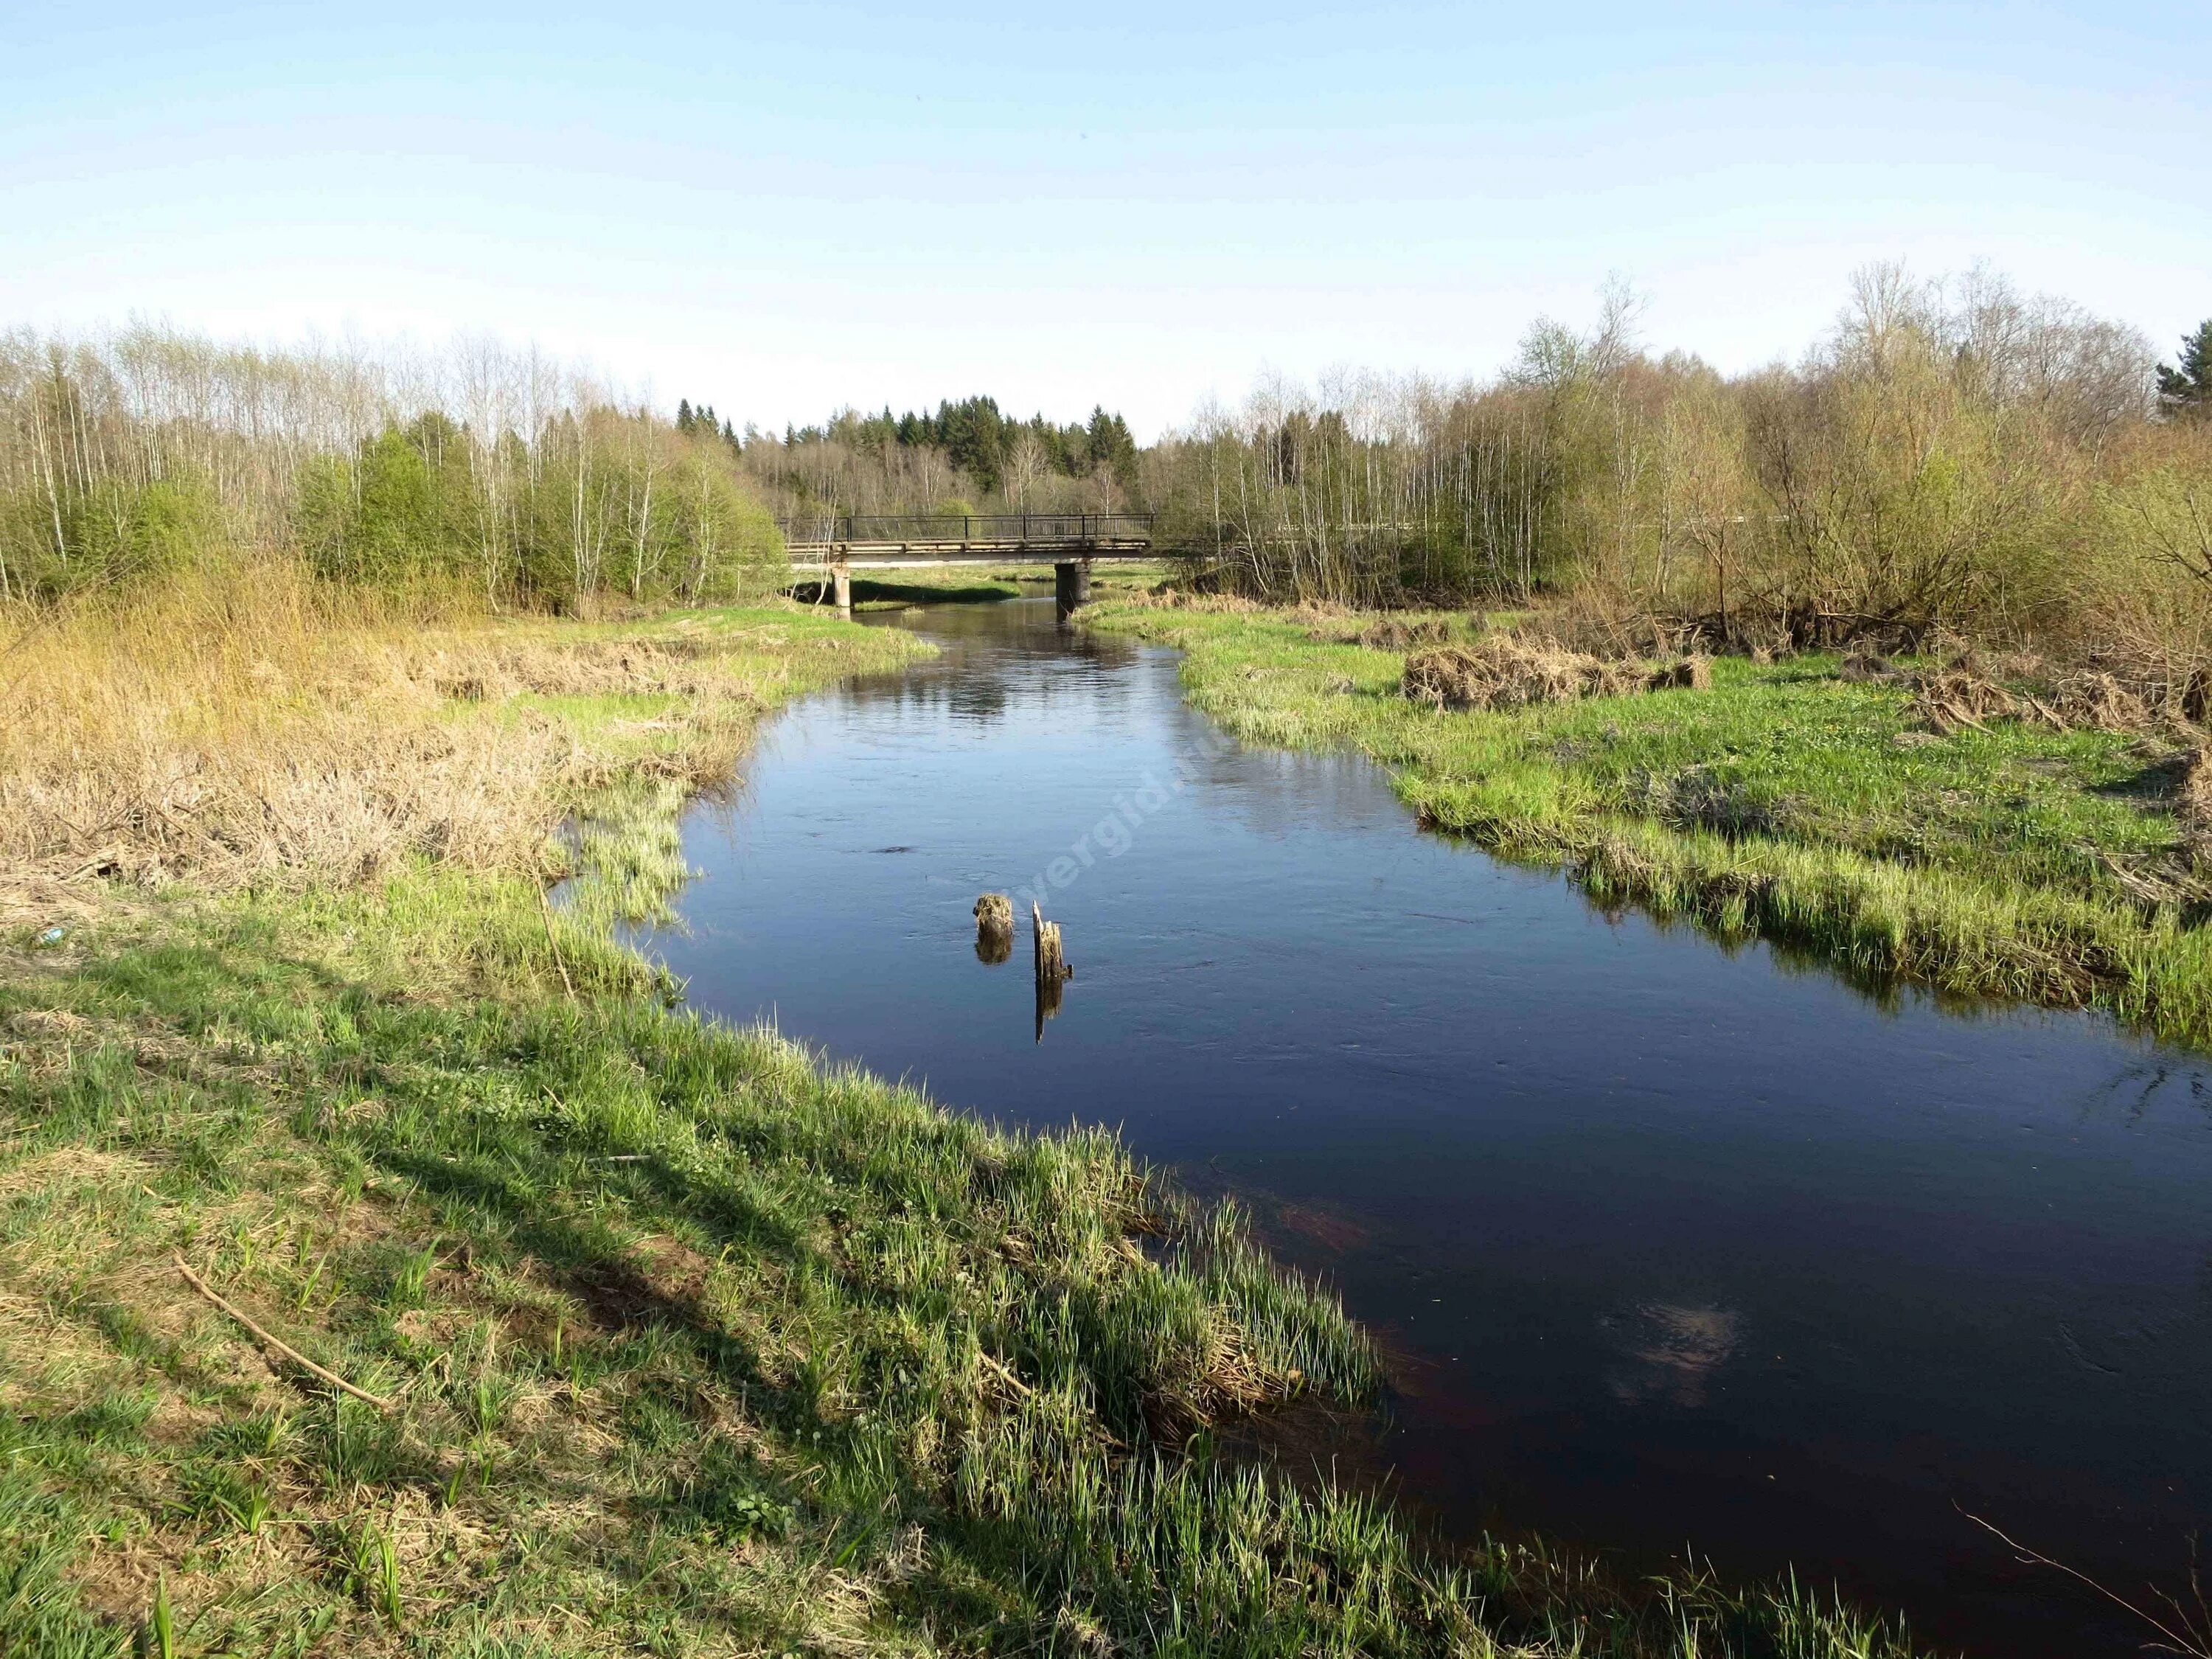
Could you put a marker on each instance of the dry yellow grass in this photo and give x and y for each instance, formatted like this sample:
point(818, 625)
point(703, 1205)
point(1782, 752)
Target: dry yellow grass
point(1502, 672)
point(257, 730)
point(237, 732)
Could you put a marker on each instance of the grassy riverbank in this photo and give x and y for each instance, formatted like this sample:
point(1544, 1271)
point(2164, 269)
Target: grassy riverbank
point(682, 1340)
point(2013, 860)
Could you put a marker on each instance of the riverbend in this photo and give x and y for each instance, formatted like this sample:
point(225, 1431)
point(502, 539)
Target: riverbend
point(1677, 1243)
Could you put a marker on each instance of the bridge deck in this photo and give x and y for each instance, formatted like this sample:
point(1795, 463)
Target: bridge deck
point(911, 556)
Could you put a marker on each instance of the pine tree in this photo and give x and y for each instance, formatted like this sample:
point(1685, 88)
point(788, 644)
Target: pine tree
point(683, 414)
point(2185, 387)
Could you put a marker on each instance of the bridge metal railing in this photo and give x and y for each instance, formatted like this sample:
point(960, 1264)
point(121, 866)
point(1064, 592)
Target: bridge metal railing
point(951, 529)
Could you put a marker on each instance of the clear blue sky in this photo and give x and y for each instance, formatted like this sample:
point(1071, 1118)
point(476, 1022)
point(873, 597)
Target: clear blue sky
point(786, 208)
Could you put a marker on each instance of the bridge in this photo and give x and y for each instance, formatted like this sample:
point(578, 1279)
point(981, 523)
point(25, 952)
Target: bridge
point(1069, 542)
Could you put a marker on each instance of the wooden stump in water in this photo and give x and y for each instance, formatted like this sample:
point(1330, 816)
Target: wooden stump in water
point(1051, 968)
point(994, 927)
point(1051, 962)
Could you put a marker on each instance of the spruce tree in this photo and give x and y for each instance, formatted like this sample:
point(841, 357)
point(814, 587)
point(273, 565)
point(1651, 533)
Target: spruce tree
point(683, 414)
point(2185, 387)
point(1110, 445)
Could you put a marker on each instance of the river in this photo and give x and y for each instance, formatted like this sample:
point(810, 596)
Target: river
point(1677, 1243)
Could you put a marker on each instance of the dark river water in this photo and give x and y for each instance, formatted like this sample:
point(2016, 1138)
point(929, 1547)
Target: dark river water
point(1682, 1246)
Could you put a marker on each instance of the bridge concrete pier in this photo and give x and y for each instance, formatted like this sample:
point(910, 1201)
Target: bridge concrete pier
point(842, 577)
point(1070, 584)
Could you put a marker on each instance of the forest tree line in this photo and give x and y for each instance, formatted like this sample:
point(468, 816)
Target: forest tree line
point(1952, 455)
point(967, 457)
point(131, 456)
point(146, 453)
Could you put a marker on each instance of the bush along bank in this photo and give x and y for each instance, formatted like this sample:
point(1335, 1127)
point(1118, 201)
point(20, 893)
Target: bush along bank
point(1834, 803)
point(656, 1336)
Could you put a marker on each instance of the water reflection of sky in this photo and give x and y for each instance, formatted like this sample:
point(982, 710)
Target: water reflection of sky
point(1680, 1241)
point(1667, 1353)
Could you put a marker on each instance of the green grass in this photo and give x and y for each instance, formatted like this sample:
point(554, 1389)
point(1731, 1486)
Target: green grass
point(1784, 801)
point(696, 1342)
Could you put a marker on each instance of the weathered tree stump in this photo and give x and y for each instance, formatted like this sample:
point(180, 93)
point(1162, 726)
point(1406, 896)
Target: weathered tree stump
point(1051, 968)
point(1051, 960)
point(994, 928)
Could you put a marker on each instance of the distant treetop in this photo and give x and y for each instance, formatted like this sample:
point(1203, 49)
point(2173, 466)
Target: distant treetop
point(700, 421)
point(977, 436)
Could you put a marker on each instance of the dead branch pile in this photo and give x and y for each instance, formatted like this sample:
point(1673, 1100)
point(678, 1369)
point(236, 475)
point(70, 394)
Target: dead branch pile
point(1690, 674)
point(2097, 700)
point(2192, 792)
point(1956, 698)
point(1953, 700)
point(1502, 672)
point(2182, 876)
